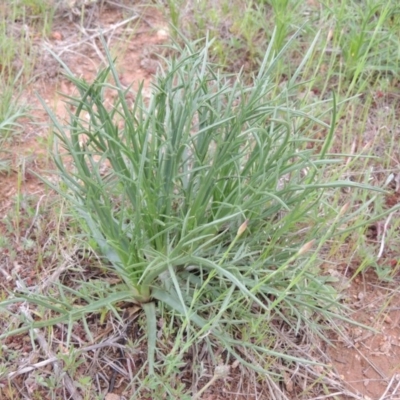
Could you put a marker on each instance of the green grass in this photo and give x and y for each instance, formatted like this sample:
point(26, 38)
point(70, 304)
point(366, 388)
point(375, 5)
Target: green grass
point(19, 23)
point(357, 48)
point(356, 56)
point(196, 204)
point(217, 210)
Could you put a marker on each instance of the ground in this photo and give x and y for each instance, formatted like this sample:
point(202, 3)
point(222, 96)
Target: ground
point(367, 360)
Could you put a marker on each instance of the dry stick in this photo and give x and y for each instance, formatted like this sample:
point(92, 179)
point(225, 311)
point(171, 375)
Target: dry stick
point(57, 366)
point(274, 388)
point(35, 217)
point(394, 377)
point(383, 376)
point(98, 34)
point(377, 369)
point(31, 367)
point(108, 343)
point(220, 371)
point(93, 44)
point(6, 274)
point(132, 9)
point(385, 227)
point(331, 395)
point(205, 387)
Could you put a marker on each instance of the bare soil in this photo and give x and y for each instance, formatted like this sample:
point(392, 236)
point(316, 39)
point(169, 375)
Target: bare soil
point(368, 360)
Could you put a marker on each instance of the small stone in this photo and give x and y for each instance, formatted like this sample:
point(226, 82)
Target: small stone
point(162, 34)
point(56, 35)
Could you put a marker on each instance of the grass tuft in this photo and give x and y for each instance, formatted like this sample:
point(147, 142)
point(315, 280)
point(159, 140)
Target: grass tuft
point(208, 202)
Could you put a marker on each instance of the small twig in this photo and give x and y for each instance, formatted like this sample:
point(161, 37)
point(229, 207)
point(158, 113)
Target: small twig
point(6, 274)
point(332, 395)
point(93, 44)
point(31, 367)
point(385, 227)
point(27, 233)
point(98, 34)
point(394, 377)
point(362, 338)
point(107, 343)
point(274, 388)
point(220, 371)
point(377, 370)
point(383, 376)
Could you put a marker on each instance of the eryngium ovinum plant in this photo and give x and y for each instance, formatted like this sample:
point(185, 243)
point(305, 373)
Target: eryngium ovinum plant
point(208, 199)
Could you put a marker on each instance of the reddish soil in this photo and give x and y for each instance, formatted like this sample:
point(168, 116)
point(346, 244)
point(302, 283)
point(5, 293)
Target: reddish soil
point(368, 356)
